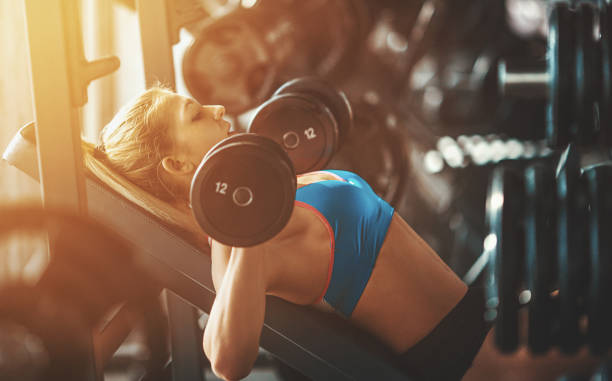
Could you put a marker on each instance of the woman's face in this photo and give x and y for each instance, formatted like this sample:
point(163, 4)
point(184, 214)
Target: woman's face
point(196, 128)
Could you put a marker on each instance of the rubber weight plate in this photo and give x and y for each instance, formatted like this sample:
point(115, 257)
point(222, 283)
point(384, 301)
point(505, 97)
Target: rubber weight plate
point(376, 151)
point(540, 253)
point(586, 71)
point(603, 372)
point(605, 102)
point(302, 125)
point(599, 180)
point(560, 64)
point(229, 64)
point(91, 270)
point(243, 191)
point(504, 209)
point(334, 99)
point(572, 248)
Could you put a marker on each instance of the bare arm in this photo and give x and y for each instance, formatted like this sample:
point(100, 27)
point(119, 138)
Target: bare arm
point(231, 337)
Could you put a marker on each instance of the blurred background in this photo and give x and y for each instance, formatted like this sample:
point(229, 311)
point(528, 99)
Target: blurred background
point(430, 123)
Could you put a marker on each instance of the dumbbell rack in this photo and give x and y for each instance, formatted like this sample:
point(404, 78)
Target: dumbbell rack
point(576, 77)
point(549, 243)
point(549, 234)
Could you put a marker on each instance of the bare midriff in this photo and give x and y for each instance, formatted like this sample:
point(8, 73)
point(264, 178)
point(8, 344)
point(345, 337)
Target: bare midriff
point(409, 292)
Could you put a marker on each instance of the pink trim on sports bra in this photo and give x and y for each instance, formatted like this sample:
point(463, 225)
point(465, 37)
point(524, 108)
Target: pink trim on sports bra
point(332, 241)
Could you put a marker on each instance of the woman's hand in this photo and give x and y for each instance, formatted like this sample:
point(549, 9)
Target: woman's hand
point(231, 337)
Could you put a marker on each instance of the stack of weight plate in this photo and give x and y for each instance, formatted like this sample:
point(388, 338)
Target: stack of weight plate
point(550, 248)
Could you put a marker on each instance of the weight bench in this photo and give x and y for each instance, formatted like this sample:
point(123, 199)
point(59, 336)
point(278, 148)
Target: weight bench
point(320, 345)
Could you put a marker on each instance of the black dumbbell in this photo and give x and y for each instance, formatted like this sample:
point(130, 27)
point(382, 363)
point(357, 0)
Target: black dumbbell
point(587, 79)
point(243, 191)
point(572, 248)
point(309, 118)
point(576, 79)
point(599, 310)
point(505, 245)
point(566, 222)
point(540, 253)
point(605, 80)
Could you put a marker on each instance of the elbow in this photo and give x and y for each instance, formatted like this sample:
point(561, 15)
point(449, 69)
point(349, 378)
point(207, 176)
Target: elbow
point(230, 369)
point(228, 364)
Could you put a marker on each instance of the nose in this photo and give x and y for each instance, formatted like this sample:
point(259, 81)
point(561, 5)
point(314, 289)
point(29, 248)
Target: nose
point(215, 111)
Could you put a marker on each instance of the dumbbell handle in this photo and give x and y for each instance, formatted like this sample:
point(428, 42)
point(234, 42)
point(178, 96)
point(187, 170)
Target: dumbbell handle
point(523, 82)
point(477, 268)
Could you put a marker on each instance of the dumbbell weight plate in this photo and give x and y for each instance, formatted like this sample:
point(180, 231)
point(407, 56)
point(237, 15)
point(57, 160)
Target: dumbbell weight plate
point(599, 180)
point(243, 191)
point(302, 125)
point(604, 372)
point(572, 248)
point(586, 86)
point(540, 253)
point(229, 64)
point(504, 208)
point(90, 271)
point(560, 64)
point(335, 100)
point(349, 26)
point(375, 151)
point(605, 102)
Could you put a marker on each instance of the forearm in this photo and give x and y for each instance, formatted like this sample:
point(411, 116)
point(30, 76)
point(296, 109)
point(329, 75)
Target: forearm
point(231, 338)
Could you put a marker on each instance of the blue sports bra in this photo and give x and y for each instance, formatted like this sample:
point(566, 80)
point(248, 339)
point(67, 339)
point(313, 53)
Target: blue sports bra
point(357, 220)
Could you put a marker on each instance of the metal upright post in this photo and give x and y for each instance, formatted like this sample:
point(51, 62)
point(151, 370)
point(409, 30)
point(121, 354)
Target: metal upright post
point(57, 123)
point(60, 75)
point(57, 127)
point(156, 41)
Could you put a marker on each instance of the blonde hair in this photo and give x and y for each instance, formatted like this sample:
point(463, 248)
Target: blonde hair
point(128, 158)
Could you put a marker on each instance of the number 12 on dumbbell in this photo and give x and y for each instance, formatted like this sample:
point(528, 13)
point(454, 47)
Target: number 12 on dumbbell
point(309, 118)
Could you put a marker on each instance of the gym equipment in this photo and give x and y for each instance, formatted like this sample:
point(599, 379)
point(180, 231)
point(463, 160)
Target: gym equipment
point(599, 311)
point(506, 254)
point(243, 191)
point(586, 77)
point(230, 65)
point(317, 344)
point(605, 68)
point(560, 68)
point(309, 118)
point(571, 249)
point(91, 272)
point(603, 373)
point(238, 58)
point(540, 252)
point(40, 337)
point(576, 80)
point(377, 150)
point(567, 254)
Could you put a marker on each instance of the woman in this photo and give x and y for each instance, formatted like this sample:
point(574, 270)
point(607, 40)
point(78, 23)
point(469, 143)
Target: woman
point(343, 249)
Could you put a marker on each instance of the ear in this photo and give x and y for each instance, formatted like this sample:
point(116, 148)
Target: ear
point(177, 167)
